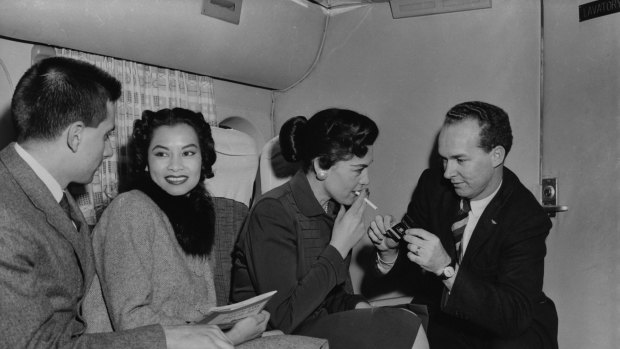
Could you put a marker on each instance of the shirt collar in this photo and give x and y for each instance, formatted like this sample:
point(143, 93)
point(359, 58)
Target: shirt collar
point(304, 196)
point(478, 206)
point(50, 182)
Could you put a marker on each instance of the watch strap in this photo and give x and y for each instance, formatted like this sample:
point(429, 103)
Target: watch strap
point(452, 265)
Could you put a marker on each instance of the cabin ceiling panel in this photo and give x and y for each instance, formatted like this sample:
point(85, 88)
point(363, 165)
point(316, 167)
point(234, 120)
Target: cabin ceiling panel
point(343, 3)
point(273, 46)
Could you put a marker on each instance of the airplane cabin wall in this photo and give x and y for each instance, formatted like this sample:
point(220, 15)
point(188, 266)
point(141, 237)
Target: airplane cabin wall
point(244, 108)
point(406, 73)
point(16, 59)
point(581, 148)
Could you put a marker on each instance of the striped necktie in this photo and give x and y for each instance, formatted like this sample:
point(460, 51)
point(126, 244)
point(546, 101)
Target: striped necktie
point(458, 227)
point(64, 203)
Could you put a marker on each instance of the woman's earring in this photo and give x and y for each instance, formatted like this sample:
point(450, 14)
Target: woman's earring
point(321, 175)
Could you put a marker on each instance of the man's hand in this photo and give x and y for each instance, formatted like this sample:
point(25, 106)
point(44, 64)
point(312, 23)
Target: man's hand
point(196, 337)
point(426, 250)
point(248, 328)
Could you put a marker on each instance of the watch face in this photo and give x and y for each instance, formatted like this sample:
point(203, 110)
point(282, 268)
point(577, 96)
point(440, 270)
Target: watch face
point(448, 272)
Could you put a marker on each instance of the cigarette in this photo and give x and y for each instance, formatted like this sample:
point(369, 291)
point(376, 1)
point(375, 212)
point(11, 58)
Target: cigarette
point(374, 207)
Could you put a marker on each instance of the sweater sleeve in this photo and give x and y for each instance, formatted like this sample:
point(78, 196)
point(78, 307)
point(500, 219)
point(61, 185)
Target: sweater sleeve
point(272, 252)
point(123, 242)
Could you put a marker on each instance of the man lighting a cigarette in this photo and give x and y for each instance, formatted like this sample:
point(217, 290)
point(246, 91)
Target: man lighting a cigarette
point(474, 251)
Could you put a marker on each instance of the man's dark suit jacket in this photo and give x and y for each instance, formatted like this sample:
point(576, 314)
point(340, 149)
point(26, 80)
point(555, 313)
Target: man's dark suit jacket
point(497, 295)
point(46, 267)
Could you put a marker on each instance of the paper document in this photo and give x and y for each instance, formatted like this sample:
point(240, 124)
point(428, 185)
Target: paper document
point(226, 315)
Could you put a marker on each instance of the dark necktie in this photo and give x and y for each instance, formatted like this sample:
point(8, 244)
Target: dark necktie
point(458, 227)
point(64, 203)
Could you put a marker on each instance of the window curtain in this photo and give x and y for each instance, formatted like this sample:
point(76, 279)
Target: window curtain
point(144, 88)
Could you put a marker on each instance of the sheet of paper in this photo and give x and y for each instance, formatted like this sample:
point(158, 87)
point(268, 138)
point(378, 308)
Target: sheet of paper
point(226, 316)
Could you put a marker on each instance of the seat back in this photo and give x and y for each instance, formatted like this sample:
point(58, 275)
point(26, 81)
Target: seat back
point(231, 188)
point(274, 170)
point(235, 167)
point(229, 217)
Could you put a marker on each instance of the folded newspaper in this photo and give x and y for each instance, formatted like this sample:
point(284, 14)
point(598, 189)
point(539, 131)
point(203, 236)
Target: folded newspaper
point(227, 315)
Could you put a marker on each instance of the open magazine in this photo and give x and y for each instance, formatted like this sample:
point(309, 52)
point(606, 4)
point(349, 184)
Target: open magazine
point(226, 315)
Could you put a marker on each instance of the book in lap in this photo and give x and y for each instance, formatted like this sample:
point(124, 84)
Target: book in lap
point(227, 315)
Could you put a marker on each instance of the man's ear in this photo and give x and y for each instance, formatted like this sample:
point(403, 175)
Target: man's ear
point(75, 132)
point(498, 155)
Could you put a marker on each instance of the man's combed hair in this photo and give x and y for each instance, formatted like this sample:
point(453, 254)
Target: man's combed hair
point(494, 123)
point(58, 91)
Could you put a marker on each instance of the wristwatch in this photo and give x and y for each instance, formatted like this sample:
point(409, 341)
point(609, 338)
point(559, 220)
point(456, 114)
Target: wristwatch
point(448, 271)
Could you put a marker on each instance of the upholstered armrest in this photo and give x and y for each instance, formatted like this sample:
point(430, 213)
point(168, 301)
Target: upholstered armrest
point(229, 217)
point(285, 342)
point(382, 302)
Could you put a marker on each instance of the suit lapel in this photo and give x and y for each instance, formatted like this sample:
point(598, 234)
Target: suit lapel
point(483, 231)
point(44, 201)
point(85, 253)
point(488, 222)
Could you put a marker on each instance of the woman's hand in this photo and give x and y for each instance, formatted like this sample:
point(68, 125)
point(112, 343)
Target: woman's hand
point(248, 328)
point(385, 245)
point(349, 226)
point(378, 235)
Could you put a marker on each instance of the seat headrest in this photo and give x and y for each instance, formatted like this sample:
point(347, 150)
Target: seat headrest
point(274, 169)
point(235, 167)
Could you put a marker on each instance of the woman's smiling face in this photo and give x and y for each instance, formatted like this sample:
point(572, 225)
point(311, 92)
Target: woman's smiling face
point(174, 158)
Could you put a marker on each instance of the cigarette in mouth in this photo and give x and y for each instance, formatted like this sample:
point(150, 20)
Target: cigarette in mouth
point(374, 207)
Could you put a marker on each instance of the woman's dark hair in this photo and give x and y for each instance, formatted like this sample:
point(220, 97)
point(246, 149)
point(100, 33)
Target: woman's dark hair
point(144, 128)
point(331, 135)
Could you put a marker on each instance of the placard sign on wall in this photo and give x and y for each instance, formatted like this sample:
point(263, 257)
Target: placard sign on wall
point(598, 8)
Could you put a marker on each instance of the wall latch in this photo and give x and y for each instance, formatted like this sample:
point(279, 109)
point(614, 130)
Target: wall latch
point(550, 197)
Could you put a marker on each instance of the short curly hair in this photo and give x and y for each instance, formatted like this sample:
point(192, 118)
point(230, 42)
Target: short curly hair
point(493, 121)
point(330, 135)
point(144, 128)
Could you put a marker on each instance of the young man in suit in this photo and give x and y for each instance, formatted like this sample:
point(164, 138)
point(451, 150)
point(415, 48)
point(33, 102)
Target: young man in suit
point(63, 111)
point(474, 251)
